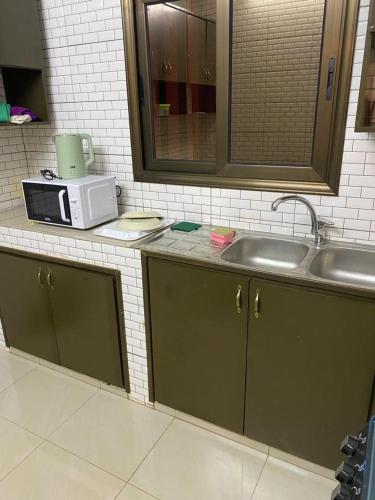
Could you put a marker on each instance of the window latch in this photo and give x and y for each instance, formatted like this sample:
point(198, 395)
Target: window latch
point(330, 78)
point(141, 92)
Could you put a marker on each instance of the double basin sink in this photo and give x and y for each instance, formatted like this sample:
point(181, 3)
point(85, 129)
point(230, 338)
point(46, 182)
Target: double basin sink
point(338, 263)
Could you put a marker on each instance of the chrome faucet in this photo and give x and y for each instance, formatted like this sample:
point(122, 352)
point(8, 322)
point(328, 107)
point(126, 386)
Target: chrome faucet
point(316, 224)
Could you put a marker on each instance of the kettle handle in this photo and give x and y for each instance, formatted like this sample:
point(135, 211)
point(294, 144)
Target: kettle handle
point(90, 161)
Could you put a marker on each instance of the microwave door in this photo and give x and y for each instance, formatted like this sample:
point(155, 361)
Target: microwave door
point(47, 203)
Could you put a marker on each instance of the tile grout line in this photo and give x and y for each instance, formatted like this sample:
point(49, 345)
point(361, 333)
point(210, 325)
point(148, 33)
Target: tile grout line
point(87, 461)
point(151, 449)
point(98, 466)
point(43, 441)
point(72, 415)
point(18, 379)
point(47, 439)
point(137, 488)
point(23, 428)
point(98, 388)
point(258, 480)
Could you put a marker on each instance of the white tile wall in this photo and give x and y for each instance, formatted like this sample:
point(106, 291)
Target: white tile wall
point(87, 92)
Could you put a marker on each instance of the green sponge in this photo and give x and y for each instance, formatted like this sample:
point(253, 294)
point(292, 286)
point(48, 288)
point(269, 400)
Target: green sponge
point(187, 227)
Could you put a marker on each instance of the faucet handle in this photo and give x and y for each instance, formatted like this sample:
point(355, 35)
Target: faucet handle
point(325, 223)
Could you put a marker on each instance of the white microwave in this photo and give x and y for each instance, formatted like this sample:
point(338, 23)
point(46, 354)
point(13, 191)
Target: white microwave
point(79, 203)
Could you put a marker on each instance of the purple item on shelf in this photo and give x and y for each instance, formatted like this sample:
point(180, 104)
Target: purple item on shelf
point(19, 110)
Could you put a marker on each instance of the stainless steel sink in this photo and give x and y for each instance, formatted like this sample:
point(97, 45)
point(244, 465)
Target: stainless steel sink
point(345, 265)
point(263, 252)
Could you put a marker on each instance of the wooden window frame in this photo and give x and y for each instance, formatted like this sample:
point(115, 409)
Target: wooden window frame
point(323, 177)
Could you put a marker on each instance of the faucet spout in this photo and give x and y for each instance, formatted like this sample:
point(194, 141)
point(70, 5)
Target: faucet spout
point(316, 224)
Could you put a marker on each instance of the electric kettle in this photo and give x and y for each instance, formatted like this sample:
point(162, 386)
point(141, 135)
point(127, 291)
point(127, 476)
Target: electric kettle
point(71, 162)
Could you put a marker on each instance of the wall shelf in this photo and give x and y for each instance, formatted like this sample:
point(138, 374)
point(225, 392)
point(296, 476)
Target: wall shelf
point(25, 87)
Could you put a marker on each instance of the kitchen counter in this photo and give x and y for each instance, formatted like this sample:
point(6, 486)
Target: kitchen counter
point(196, 247)
point(16, 219)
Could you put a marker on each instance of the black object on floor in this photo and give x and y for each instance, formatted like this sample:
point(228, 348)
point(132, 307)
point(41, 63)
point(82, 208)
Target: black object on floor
point(357, 473)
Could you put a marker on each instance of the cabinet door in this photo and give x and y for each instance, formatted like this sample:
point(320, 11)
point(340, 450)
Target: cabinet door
point(197, 59)
point(311, 363)
point(25, 308)
point(199, 341)
point(211, 53)
point(20, 40)
point(167, 28)
point(86, 322)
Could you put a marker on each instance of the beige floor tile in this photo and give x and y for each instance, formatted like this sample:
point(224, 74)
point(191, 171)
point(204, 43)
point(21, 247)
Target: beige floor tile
point(282, 481)
point(43, 399)
point(13, 368)
point(192, 463)
point(15, 445)
point(132, 493)
point(52, 473)
point(223, 432)
point(303, 464)
point(112, 432)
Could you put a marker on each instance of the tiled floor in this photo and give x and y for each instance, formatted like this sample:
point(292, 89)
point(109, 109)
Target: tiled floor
point(61, 438)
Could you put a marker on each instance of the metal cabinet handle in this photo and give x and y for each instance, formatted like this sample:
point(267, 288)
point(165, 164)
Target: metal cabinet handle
point(40, 277)
point(167, 68)
point(330, 78)
point(49, 279)
point(238, 299)
point(257, 304)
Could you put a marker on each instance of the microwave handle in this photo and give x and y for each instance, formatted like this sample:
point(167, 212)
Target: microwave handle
point(62, 192)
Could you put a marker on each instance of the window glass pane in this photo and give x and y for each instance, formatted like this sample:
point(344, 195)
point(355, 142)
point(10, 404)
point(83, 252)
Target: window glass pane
point(276, 47)
point(182, 62)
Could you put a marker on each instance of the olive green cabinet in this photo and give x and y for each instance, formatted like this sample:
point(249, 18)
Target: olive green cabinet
point(86, 321)
point(24, 307)
point(199, 324)
point(20, 34)
point(289, 366)
point(21, 56)
point(64, 314)
point(310, 369)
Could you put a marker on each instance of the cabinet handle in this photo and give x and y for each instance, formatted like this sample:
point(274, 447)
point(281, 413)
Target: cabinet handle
point(167, 68)
point(238, 299)
point(257, 304)
point(49, 279)
point(40, 277)
point(330, 78)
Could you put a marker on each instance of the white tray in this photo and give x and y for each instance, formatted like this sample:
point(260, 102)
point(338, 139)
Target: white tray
point(111, 231)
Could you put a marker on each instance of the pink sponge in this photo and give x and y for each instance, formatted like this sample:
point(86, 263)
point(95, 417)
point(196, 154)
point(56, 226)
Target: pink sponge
point(222, 235)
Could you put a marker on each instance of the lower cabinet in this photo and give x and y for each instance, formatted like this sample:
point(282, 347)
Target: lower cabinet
point(25, 308)
point(285, 365)
point(64, 314)
point(310, 369)
point(199, 336)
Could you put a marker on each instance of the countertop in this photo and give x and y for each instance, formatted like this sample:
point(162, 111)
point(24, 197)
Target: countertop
point(196, 247)
point(15, 218)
